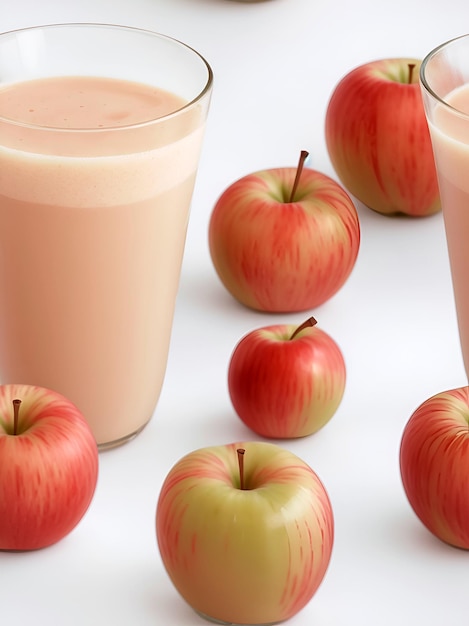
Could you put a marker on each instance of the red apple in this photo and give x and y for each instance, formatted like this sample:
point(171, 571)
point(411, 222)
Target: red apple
point(245, 532)
point(378, 139)
point(284, 239)
point(285, 381)
point(434, 462)
point(48, 467)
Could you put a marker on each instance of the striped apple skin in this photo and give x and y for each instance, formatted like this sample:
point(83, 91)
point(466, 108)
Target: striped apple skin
point(378, 139)
point(252, 556)
point(279, 256)
point(48, 471)
point(434, 463)
point(284, 388)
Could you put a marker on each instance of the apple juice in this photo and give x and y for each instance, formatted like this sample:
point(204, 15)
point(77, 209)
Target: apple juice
point(94, 204)
point(450, 137)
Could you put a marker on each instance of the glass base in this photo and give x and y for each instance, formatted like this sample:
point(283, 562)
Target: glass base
point(223, 623)
point(109, 445)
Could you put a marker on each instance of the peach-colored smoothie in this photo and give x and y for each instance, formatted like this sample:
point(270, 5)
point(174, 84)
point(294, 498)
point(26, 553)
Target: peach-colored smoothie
point(450, 137)
point(92, 230)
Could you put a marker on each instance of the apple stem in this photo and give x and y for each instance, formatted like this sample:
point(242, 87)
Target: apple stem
point(303, 156)
point(16, 411)
point(311, 321)
point(241, 452)
point(411, 67)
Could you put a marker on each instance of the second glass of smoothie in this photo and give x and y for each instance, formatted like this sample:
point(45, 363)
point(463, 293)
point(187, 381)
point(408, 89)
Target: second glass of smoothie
point(444, 75)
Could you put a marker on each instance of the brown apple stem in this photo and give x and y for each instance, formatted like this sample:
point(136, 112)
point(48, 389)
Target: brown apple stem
point(411, 67)
point(309, 322)
point(16, 411)
point(241, 452)
point(303, 156)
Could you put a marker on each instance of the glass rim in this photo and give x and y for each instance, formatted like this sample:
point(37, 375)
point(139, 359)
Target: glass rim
point(135, 29)
point(423, 79)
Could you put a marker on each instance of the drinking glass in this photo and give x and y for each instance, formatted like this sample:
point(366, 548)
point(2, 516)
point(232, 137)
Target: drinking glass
point(101, 128)
point(444, 78)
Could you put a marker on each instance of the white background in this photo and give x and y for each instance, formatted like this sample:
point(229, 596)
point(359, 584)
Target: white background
point(275, 64)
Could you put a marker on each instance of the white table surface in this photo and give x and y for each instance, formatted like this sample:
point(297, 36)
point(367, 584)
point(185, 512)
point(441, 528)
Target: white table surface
point(275, 64)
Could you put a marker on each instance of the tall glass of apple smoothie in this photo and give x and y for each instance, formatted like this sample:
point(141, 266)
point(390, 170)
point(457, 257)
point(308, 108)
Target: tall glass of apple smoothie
point(444, 78)
point(101, 129)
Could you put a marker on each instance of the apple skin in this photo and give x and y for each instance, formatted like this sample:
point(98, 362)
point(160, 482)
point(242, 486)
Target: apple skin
point(284, 388)
point(48, 470)
point(434, 463)
point(378, 139)
point(246, 556)
point(278, 256)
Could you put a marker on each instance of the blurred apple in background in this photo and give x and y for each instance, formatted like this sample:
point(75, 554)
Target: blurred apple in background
point(48, 467)
point(285, 239)
point(378, 138)
point(434, 462)
point(286, 381)
point(245, 531)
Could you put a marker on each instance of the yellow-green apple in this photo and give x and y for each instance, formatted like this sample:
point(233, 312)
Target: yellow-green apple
point(434, 463)
point(284, 239)
point(48, 467)
point(378, 138)
point(286, 381)
point(245, 532)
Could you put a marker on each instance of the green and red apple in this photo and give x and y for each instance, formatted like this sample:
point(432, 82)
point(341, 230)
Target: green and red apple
point(245, 532)
point(286, 381)
point(48, 467)
point(434, 464)
point(378, 138)
point(284, 239)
